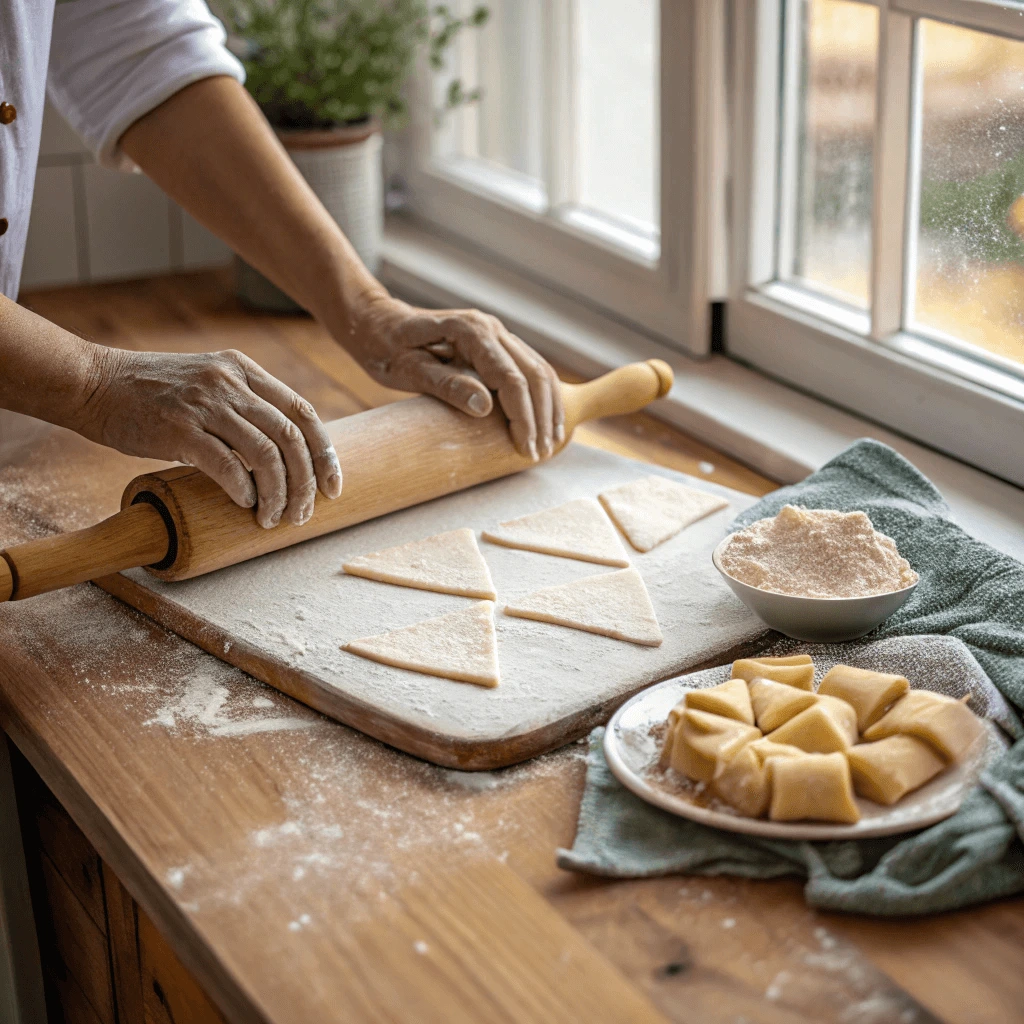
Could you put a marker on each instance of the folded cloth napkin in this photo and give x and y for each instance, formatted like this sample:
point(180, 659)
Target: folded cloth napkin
point(969, 591)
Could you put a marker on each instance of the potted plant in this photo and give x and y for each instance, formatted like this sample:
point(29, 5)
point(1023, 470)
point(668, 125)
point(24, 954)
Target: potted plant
point(328, 75)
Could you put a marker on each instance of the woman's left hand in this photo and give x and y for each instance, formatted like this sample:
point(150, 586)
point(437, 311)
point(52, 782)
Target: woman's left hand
point(432, 351)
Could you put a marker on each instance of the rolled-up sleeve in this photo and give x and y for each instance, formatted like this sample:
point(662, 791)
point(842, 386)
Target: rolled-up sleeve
point(113, 61)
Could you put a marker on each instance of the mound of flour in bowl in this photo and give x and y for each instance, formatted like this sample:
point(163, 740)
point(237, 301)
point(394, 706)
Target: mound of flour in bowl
point(817, 553)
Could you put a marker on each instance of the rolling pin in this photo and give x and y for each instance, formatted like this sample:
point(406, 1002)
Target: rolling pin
point(179, 523)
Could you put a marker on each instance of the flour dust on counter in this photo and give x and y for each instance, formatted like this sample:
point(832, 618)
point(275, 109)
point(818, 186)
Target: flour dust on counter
point(577, 529)
point(182, 692)
point(448, 563)
point(291, 768)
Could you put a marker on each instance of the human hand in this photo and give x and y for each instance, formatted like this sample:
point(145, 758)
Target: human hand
point(430, 351)
point(200, 410)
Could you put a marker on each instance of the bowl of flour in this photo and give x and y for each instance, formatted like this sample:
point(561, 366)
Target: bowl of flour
point(816, 574)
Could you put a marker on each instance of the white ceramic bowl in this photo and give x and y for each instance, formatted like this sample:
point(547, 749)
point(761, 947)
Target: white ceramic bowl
point(818, 619)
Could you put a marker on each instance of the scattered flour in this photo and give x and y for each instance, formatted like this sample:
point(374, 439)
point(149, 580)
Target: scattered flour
point(202, 704)
point(176, 877)
point(421, 947)
point(773, 993)
point(817, 553)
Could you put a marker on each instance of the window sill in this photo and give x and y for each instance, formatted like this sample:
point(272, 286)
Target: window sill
point(774, 429)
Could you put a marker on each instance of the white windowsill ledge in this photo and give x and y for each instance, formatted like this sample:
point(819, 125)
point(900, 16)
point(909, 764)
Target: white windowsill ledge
point(774, 429)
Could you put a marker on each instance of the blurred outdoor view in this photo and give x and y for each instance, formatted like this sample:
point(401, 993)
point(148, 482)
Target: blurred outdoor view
point(970, 276)
point(969, 281)
point(615, 134)
point(834, 142)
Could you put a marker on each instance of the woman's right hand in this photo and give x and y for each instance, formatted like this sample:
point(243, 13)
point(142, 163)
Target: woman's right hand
point(202, 409)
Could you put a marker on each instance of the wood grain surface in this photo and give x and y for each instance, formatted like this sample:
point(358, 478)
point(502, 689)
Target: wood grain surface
point(303, 872)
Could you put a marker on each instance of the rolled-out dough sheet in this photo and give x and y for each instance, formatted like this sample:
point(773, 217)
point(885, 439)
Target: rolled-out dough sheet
point(461, 645)
point(578, 529)
point(284, 616)
point(448, 563)
point(651, 510)
point(614, 604)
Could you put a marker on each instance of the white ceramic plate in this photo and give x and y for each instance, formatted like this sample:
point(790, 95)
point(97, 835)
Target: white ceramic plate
point(632, 750)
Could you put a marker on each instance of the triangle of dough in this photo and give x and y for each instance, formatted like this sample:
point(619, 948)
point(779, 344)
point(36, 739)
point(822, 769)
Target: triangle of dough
point(614, 604)
point(651, 510)
point(461, 645)
point(577, 529)
point(449, 563)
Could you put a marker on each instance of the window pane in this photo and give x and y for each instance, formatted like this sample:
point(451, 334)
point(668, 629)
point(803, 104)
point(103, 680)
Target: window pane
point(618, 110)
point(825, 229)
point(504, 61)
point(970, 270)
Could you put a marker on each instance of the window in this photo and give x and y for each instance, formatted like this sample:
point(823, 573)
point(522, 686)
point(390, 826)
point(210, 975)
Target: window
point(879, 242)
point(563, 169)
point(828, 147)
point(847, 174)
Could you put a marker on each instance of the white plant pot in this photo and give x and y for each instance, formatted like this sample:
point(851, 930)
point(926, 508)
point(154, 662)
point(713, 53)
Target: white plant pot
point(343, 167)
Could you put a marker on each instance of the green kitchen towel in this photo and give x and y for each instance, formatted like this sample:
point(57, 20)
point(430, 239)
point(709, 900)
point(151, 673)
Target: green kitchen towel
point(969, 591)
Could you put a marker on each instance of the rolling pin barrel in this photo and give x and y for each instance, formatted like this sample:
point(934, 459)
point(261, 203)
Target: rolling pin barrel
point(179, 523)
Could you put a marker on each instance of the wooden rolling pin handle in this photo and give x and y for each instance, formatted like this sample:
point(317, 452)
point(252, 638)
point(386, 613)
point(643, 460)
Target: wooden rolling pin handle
point(137, 535)
point(621, 391)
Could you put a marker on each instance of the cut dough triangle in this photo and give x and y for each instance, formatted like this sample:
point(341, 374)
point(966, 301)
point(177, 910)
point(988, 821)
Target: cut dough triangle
point(651, 510)
point(449, 563)
point(577, 529)
point(461, 645)
point(614, 604)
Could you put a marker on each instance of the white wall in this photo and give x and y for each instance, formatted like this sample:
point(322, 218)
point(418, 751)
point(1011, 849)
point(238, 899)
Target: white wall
point(92, 224)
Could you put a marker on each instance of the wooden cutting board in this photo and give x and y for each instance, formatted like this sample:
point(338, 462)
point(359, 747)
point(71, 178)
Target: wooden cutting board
point(284, 616)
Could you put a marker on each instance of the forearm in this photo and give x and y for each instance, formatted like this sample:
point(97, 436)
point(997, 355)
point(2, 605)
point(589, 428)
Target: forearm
point(45, 371)
point(211, 150)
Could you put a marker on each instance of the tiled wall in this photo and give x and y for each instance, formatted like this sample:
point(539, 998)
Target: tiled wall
point(91, 224)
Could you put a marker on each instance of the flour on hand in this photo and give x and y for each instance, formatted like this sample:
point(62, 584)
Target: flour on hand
point(578, 529)
point(614, 604)
point(448, 563)
point(654, 509)
point(461, 645)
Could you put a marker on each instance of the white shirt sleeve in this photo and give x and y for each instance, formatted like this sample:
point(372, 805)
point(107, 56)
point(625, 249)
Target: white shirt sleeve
point(112, 61)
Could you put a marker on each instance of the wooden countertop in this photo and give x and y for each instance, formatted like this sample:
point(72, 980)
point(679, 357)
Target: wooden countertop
point(306, 873)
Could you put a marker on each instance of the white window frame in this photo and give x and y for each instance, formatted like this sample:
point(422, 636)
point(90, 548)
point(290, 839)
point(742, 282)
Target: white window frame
point(930, 388)
point(668, 296)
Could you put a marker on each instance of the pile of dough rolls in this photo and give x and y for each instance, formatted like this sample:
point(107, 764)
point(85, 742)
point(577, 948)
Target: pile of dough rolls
point(766, 742)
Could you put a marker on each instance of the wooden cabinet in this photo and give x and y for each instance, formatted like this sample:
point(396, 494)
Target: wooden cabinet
point(104, 962)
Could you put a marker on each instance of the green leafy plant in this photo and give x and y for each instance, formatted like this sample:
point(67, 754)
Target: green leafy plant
point(974, 211)
point(323, 63)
